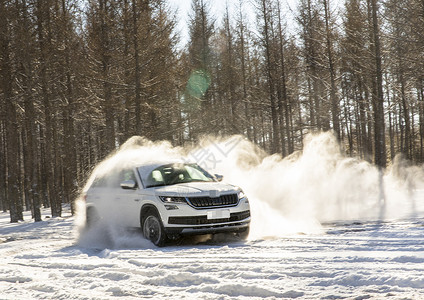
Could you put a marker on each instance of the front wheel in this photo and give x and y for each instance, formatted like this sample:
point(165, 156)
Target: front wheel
point(153, 229)
point(243, 234)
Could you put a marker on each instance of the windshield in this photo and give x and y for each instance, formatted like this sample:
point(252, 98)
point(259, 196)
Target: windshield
point(177, 173)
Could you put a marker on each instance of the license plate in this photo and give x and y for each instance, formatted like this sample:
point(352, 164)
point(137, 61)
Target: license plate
point(219, 214)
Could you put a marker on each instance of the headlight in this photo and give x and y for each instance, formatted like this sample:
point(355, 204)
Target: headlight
point(168, 199)
point(241, 195)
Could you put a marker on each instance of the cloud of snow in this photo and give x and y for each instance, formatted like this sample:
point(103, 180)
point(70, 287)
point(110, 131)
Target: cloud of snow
point(287, 196)
point(107, 233)
point(319, 184)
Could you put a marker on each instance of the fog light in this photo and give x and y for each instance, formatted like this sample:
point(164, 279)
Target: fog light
point(170, 207)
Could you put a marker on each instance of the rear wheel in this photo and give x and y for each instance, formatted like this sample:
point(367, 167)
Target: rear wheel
point(92, 217)
point(153, 229)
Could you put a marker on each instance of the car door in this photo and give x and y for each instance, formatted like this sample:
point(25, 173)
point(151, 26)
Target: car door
point(128, 199)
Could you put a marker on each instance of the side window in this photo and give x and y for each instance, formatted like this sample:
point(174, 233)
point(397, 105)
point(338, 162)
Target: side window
point(127, 175)
point(99, 182)
point(114, 180)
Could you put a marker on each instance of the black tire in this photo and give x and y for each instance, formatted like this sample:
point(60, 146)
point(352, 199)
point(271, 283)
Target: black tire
point(153, 229)
point(243, 234)
point(91, 218)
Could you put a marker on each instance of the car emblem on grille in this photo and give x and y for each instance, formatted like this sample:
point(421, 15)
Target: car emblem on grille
point(214, 194)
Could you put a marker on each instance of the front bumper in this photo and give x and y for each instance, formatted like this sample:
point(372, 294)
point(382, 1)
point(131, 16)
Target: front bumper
point(187, 220)
point(238, 222)
point(203, 219)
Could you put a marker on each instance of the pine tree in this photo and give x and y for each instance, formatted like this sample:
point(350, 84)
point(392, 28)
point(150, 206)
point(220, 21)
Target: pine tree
point(198, 97)
point(14, 201)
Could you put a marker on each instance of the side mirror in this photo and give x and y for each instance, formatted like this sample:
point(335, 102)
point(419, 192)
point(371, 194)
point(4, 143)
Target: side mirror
point(128, 184)
point(219, 177)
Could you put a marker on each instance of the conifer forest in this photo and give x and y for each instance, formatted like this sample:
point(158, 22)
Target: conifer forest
point(80, 77)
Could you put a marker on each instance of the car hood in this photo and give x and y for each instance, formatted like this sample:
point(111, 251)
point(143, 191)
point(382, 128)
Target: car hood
point(211, 189)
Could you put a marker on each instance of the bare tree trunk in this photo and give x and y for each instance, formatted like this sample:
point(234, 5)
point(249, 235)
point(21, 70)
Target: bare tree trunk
point(333, 97)
point(312, 64)
point(363, 123)
point(109, 132)
point(70, 155)
point(137, 68)
point(30, 147)
point(49, 160)
point(284, 105)
point(378, 97)
point(3, 184)
point(234, 120)
point(275, 145)
point(127, 130)
point(391, 131)
point(11, 128)
point(405, 109)
point(421, 117)
point(243, 57)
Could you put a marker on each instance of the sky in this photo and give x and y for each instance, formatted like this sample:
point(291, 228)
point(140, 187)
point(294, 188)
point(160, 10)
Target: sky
point(183, 8)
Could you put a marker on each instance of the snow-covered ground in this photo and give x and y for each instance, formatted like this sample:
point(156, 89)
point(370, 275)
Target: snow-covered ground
point(296, 249)
point(367, 260)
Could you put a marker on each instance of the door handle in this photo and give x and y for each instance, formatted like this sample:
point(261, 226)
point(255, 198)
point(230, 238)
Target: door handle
point(136, 200)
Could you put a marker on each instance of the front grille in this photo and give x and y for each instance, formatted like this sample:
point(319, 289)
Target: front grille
point(206, 202)
point(203, 220)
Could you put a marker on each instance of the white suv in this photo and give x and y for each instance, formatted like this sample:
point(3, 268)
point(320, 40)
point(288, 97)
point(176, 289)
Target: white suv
point(168, 200)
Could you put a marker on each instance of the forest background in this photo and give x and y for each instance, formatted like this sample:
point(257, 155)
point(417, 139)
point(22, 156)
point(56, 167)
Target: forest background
point(78, 78)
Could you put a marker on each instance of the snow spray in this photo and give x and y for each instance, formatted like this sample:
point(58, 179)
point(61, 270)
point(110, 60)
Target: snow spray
point(106, 233)
point(289, 195)
point(319, 184)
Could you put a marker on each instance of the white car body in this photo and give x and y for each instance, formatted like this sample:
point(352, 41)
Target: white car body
point(183, 208)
